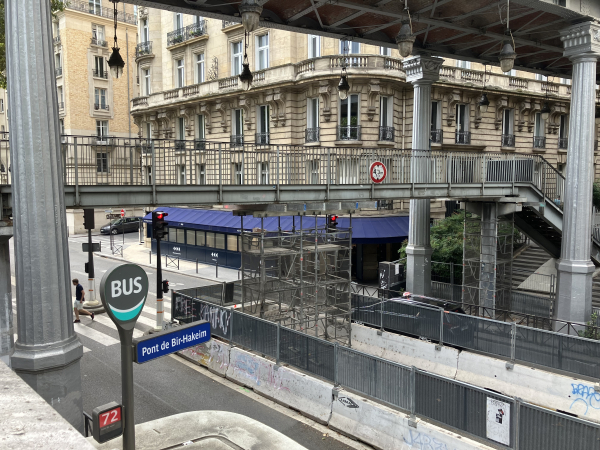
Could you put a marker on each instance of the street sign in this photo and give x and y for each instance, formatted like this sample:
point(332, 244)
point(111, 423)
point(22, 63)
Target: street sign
point(107, 422)
point(122, 213)
point(164, 343)
point(123, 291)
point(378, 172)
point(96, 247)
point(113, 216)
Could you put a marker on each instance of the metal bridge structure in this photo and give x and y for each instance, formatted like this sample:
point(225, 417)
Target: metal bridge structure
point(547, 38)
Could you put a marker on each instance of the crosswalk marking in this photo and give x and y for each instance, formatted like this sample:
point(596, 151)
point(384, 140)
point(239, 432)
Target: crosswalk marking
point(95, 335)
point(105, 320)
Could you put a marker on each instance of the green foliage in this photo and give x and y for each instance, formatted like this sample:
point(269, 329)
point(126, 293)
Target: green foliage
point(56, 5)
point(596, 195)
point(591, 327)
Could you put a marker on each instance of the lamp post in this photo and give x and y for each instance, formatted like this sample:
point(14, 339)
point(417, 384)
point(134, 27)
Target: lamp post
point(115, 62)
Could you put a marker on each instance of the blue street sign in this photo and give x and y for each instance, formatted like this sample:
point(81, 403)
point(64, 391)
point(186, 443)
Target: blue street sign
point(160, 344)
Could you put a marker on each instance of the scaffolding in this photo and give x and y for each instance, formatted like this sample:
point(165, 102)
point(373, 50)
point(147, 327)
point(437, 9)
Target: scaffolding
point(300, 278)
point(487, 260)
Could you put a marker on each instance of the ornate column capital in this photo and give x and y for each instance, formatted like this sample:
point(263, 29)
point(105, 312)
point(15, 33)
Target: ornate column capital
point(581, 40)
point(422, 68)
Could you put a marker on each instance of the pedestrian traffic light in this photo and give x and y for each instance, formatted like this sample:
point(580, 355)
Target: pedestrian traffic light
point(88, 218)
point(159, 226)
point(165, 286)
point(333, 221)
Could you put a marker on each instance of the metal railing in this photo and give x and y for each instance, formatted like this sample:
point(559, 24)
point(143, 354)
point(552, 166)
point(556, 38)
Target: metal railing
point(462, 137)
point(85, 6)
point(56, 39)
point(539, 142)
point(450, 403)
point(508, 140)
point(262, 138)
point(143, 49)
point(311, 134)
point(100, 74)
point(387, 134)
point(563, 143)
point(348, 133)
point(58, 71)
point(99, 42)
point(101, 107)
point(437, 136)
point(236, 140)
point(184, 34)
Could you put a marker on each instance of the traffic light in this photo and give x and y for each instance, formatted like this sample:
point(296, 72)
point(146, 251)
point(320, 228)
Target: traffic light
point(159, 226)
point(333, 221)
point(165, 286)
point(88, 218)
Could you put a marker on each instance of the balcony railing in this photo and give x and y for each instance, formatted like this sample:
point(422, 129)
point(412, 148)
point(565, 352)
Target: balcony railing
point(185, 34)
point(227, 23)
point(140, 101)
point(386, 134)
point(100, 74)
point(58, 71)
point(539, 142)
point(348, 133)
point(143, 49)
point(99, 42)
point(101, 107)
point(229, 82)
point(57, 39)
point(180, 145)
point(237, 140)
point(262, 138)
point(199, 144)
point(85, 6)
point(463, 137)
point(563, 143)
point(61, 105)
point(311, 135)
point(437, 136)
point(508, 140)
point(103, 140)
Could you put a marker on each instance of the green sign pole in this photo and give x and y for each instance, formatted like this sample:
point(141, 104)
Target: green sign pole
point(123, 291)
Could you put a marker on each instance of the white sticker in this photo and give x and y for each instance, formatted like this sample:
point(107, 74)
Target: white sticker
point(397, 267)
point(498, 421)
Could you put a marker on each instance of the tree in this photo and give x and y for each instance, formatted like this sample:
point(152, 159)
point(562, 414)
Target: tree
point(56, 5)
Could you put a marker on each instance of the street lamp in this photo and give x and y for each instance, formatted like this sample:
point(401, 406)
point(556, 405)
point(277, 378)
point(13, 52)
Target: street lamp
point(405, 39)
point(343, 86)
point(483, 103)
point(545, 111)
point(246, 76)
point(507, 57)
point(115, 62)
point(251, 11)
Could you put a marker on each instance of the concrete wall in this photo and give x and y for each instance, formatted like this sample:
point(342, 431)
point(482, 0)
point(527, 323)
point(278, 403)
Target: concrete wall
point(540, 387)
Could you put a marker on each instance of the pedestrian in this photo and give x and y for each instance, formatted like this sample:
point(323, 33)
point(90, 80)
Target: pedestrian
point(79, 299)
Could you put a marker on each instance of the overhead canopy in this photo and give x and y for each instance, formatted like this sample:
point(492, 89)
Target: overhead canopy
point(461, 29)
point(365, 230)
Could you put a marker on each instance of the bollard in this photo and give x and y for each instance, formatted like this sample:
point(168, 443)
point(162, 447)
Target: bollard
point(150, 254)
point(196, 265)
point(217, 270)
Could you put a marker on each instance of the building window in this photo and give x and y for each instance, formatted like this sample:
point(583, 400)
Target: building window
point(513, 72)
point(200, 68)
point(101, 128)
point(349, 47)
point(237, 121)
point(262, 52)
point(102, 162)
point(149, 174)
point(181, 128)
point(462, 124)
point(349, 128)
point(436, 123)
point(148, 130)
point(238, 173)
point(508, 134)
point(201, 171)
point(236, 58)
point(145, 30)
point(57, 61)
point(540, 77)
point(539, 131)
point(386, 125)
point(200, 238)
point(232, 240)
point(146, 76)
point(61, 127)
point(385, 51)
point(463, 64)
point(59, 94)
point(178, 24)
point(201, 133)
point(312, 171)
point(262, 172)
point(181, 173)
point(263, 129)
point(180, 73)
point(312, 115)
point(99, 99)
point(314, 46)
point(563, 132)
point(190, 238)
point(99, 67)
point(98, 35)
point(95, 6)
point(348, 171)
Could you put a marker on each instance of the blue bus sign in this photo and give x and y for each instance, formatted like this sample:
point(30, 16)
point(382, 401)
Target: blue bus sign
point(164, 343)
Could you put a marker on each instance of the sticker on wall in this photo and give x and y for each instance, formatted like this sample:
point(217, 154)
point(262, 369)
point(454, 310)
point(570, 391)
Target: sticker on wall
point(498, 421)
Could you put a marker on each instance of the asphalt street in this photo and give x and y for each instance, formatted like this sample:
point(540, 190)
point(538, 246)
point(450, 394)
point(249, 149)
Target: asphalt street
point(171, 385)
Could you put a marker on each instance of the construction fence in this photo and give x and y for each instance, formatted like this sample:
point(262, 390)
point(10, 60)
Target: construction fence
point(455, 405)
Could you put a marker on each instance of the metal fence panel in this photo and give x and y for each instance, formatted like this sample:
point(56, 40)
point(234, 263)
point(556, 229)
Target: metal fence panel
point(254, 333)
point(560, 351)
point(411, 319)
point(446, 291)
point(211, 294)
point(542, 429)
point(483, 335)
point(366, 309)
point(534, 305)
point(455, 404)
point(375, 377)
point(308, 353)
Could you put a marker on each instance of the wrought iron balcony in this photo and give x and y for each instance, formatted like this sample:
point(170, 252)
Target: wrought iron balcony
point(237, 140)
point(61, 105)
point(199, 144)
point(101, 107)
point(262, 138)
point(311, 134)
point(175, 37)
point(387, 134)
point(463, 137)
point(508, 140)
point(185, 34)
point(563, 143)
point(90, 8)
point(437, 136)
point(143, 49)
point(57, 39)
point(539, 142)
point(58, 71)
point(99, 42)
point(100, 73)
point(348, 133)
point(103, 140)
point(180, 145)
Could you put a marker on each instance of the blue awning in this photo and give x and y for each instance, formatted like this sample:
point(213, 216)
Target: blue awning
point(365, 230)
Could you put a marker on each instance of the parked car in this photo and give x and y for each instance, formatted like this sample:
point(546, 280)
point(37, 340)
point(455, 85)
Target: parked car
point(123, 225)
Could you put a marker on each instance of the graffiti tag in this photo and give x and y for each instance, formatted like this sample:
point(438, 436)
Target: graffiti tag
point(585, 395)
point(347, 402)
point(423, 441)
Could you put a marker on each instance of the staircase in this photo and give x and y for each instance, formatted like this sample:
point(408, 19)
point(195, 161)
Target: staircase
point(527, 263)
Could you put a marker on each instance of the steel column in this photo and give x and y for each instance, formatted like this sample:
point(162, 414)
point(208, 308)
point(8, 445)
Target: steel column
point(575, 269)
point(7, 341)
point(47, 352)
point(488, 251)
point(422, 72)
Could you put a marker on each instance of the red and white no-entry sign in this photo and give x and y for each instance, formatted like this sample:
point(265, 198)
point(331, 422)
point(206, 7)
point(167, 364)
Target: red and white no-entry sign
point(122, 213)
point(378, 172)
